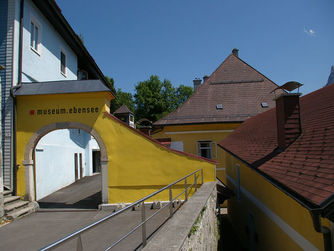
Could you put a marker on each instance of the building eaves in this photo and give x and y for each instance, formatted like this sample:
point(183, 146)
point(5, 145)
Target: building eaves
point(61, 87)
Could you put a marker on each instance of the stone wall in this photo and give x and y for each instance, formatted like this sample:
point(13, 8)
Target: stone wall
point(193, 226)
point(204, 235)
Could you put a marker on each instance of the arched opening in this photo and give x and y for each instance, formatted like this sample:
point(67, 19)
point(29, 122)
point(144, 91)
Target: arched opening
point(62, 153)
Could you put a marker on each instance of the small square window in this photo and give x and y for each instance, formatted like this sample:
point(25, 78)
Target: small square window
point(219, 106)
point(63, 63)
point(264, 105)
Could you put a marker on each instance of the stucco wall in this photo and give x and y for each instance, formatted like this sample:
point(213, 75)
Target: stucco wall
point(44, 65)
point(137, 166)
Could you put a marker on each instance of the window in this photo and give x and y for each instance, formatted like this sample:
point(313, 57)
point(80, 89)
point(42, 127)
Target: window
point(177, 145)
point(63, 62)
point(205, 149)
point(34, 36)
point(264, 105)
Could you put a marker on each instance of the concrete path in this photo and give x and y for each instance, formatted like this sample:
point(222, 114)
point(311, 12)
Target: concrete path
point(84, 193)
point(42, 228)
point(76, 208)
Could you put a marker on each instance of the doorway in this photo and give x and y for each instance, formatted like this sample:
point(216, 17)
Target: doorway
point(64, 168)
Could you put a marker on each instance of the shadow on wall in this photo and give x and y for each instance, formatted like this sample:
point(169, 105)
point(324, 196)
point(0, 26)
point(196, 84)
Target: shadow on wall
point(80, 137)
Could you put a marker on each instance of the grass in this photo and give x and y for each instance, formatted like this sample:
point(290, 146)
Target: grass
point(195, 227)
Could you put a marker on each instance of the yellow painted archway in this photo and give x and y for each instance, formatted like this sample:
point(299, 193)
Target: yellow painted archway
point(132, 164)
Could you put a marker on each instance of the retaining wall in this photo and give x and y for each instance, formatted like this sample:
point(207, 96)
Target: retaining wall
point(193, 226)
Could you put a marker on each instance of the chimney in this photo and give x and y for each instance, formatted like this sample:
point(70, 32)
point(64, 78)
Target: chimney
point(205, 78)
point(235, 52)
point(197, 83)
point(288, 118)
point(331, 76)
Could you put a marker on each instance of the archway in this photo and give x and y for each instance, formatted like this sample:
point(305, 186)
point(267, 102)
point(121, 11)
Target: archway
point(32, 143)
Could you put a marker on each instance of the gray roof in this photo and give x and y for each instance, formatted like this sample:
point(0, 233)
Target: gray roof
point(61, 87)
point(123, 109)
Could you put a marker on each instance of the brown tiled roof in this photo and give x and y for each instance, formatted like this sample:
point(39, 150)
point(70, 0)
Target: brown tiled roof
point(237, 86)
point(122, 109)
point(307, 166)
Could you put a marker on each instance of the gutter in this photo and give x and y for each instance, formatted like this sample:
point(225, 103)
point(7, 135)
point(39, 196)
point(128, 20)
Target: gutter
point(315, 214)
point(19, 83)
point(12, 93)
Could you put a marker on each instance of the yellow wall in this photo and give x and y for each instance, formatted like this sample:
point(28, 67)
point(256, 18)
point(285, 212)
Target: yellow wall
point(270, 235)
point(137, 166)
point(191, 134)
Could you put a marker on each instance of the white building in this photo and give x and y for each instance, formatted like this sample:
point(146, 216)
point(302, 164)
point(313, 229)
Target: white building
point(37, 45)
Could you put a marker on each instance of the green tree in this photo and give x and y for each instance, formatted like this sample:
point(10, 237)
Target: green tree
point(111, 83)
point(125, 98)
point(149, 99)
point(155, 99)
point(121, 97)
point(183, 93)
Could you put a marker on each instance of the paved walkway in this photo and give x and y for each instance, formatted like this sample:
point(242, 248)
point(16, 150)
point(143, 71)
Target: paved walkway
point(76, 208)
point(84, 193)
point(42, 228)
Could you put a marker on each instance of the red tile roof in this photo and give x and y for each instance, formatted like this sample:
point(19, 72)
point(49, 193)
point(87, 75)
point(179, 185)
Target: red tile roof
point(237, 86)
point(307, 165)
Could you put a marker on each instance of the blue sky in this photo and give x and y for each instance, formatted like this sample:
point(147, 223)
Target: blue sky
point(183, 39)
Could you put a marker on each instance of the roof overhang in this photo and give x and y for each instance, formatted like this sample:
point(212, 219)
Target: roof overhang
point(61, 87)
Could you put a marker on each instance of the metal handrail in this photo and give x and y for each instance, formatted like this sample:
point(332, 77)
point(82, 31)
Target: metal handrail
point(144, 219)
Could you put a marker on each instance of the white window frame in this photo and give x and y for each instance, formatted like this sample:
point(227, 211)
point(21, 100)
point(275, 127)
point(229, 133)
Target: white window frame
point(35, 43)
point(199, 148)
point(62, 51)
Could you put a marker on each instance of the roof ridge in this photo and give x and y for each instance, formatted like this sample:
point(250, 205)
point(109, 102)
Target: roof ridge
point(196, 91)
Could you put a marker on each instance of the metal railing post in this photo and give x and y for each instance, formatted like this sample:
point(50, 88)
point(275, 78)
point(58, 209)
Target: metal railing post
point(195, 181)
point(170, 202)
point(202, 176)
point(143, 227)
point(185, 190)
point(79, 243)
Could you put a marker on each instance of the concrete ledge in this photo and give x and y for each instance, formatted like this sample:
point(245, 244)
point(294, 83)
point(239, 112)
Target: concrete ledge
point(175, 231)
point(153, 205)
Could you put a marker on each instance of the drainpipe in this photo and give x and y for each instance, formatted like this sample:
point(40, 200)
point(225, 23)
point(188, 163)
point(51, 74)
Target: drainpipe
point(322, 229)
point(12, 90)
point(2, 211)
